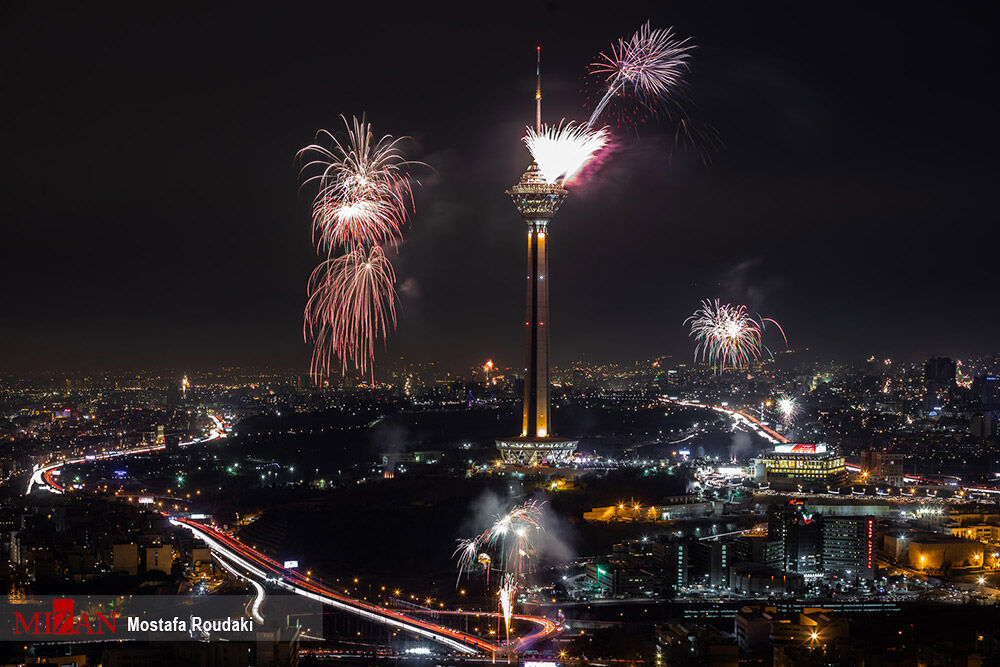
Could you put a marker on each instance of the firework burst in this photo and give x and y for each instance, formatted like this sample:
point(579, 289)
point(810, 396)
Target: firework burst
point(362, 202)
point(364, 193)
point(789, 409)
point(650, 67)
point(508, 591)
point(728, 336)
point(352, 303)
point(510, 538)
point(467, 552)
point(562, 151)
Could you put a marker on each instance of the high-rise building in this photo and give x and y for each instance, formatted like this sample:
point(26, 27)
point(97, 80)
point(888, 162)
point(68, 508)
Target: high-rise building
point(759, 547)
point(799, 534)
point(537, 202)
point(814, 543)
point(939, 379)
point(981, 424)
point(712, 560)
point(672, 558)
point(987, 389)
point(848, 546)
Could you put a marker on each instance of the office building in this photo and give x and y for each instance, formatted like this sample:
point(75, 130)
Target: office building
point(794, 465)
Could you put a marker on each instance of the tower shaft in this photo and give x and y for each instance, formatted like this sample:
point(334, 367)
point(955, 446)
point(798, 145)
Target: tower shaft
point(535, 417)
point(537, 201)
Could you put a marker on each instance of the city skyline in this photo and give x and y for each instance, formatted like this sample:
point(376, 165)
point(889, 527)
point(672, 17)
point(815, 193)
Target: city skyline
point(298, 368)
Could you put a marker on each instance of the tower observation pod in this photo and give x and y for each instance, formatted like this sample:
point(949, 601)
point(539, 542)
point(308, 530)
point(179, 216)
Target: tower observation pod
point(537, 201)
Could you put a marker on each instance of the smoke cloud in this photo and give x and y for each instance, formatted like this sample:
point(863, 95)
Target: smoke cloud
point(741, 446)
point(551, 545)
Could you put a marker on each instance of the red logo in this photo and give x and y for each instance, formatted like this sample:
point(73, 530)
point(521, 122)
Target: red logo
point(62, 621)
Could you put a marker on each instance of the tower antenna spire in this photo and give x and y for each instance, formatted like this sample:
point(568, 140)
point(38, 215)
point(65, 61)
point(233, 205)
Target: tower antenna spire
point(538, 92)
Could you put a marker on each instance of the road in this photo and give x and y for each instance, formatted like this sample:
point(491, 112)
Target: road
point(44, 477)
point(546, 628)
point(737, 416)
point(266, 569)
point(253, 608)
point(270, 570)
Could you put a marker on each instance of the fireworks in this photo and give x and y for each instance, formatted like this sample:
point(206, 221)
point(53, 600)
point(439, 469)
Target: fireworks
point(362, 202)
point(352, 303)
point(510, 536)
point(364, 189)
point(728, 337)
point(651, 66)
point(508, 589)
point(561, 152)
point(789, 409)
point(468, 555)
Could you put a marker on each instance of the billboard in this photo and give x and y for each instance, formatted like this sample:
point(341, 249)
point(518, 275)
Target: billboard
point(799, 448)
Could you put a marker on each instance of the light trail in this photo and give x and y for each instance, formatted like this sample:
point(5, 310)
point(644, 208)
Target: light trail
point(43, 476)
point(546, 627)
point(946, 481)
point(258, 600)
point(738, 416)
point(266, 567)
point(709, 538)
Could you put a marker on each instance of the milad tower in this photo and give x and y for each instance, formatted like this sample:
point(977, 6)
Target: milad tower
point(537, 201)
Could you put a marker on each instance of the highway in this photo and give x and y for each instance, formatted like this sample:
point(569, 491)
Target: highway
point(272, 571)
point(253, 609)
point(44, 476)
point(546, 628)
point(267, 570)
point(751, 422)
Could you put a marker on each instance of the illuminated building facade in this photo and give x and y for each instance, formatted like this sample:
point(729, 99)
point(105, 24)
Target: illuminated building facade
point(791, 465)
point(849, 546)
point(814, 544)
point(936, 553)
point(798, 533)
point(882, 467)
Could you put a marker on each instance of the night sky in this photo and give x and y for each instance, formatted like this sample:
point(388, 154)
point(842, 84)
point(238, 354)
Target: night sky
point(151, 214)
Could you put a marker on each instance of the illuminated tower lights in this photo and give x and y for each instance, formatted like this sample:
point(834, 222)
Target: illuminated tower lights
point(537, 201)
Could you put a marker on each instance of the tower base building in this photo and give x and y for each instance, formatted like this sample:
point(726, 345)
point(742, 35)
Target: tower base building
point(536, 451)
